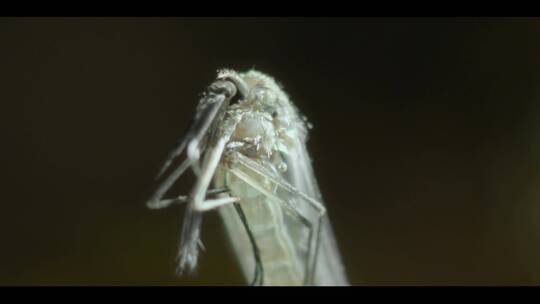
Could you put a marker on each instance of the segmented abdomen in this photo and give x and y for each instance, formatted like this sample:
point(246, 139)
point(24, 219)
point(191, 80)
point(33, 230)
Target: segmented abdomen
point(281, 265)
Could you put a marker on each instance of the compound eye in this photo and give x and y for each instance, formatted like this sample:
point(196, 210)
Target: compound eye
point(241, 87)
point(236, 99)
point(225, 87)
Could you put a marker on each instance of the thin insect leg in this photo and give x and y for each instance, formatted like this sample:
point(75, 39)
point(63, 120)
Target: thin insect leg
point(214, 155)
point(258, 277)
point(317, 245)
point(210, 204)
point(217, 191)
point(282, 184)
point(304, 221)
point(167, 184)
point(220, 92)
point(191, 228)
point(212, 158)
point(164, 203)
point(192, 225)
point(172, 155)
point(193, 153)
point(309, 226)
point(188, 251)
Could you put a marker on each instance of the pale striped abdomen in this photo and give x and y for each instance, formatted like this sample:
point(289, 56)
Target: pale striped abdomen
point(283, 256)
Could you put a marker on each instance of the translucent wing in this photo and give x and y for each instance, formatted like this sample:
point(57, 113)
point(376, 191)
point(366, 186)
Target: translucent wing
point(329, 266)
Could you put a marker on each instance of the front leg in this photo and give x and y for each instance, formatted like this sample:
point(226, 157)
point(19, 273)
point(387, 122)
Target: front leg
point(190, 235)
point(164, 203)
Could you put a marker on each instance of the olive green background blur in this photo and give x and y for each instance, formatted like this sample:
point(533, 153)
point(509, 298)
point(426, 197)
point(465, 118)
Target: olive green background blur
point(426, 143)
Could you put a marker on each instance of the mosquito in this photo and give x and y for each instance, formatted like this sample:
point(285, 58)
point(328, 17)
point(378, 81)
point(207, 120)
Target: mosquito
point(247, 148)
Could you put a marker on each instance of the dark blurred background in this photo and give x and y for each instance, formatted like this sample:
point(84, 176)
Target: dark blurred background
point(426, 143)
